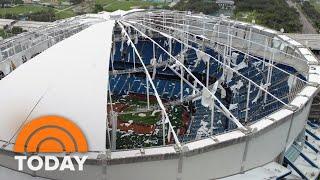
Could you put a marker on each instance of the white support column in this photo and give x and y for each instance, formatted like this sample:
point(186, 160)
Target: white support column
point(208, 73)
point(203, 26)
point(230, 45)
point(228, 41)
point(134, 59)
point(221, 63)
point(148, 93)
point(163, 20)
point(114, 119)
point(271, 69)
point(265, 53)
point(155, 62)
point(153, 51)
point(225, 44)
point(248, 101)
point(163, 128)
point(218, 34)
point(224, 74)
point(184, 80)
point(249, 41)
point(181, 70)
point(110, 116)
point(212, 118)
point(112, 56)
point(167, 120)
point(170, 47)
point(269, 76)
point(220, 106)
point(181, 85)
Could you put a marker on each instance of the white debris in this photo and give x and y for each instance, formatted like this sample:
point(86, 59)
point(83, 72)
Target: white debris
point(124, 135)
point(229, 75)
point(223, 91)
point(234, 57)
point(121, 48)
point(203, 130)
point(188, 90)
point(215, 87)
point(136, 39)
point(130, 131)
point(160, 58)
point(127, 124)
point(292, 81)
point(129, 57)
point(233, 106)
point(202, 56)
point(240, 66)
point(236, 87)
point(156, 131)
point(142, 115)
point(257, 64)
point(154, 112)
point(258, 96)
point(206, 99)
point(153, 62)
point(166, 43)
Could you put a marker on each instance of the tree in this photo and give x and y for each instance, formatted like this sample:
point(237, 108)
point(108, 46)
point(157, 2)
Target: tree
point(274, 14)
point(98, 8)
point(44, 16)
point(197, 6)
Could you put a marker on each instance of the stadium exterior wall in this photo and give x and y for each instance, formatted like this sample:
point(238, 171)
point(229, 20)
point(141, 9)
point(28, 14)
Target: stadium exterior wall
point(209, 158)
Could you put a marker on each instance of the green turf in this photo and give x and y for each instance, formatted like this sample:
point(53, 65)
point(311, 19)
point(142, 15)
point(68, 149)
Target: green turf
point(140, 103)
point(175, 116)
point(147, 120)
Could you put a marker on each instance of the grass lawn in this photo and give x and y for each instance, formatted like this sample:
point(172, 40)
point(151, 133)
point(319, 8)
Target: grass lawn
point(27, 9)
point(64, 14)
point(113, 5)
point(22, 9)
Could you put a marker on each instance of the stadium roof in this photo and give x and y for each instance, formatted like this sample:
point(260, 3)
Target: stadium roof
point(80, 63)
point(68, 79)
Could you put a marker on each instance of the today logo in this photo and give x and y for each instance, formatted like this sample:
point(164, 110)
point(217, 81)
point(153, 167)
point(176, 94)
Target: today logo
point(51, 134)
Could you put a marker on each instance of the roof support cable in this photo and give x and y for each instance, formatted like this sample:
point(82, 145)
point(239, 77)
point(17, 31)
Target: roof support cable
point(211, 57)
point(220, 105)
point(223, 44)
point(165, 115)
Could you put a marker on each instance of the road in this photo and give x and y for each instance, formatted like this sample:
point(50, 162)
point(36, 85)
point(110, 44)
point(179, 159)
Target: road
point(307, 25)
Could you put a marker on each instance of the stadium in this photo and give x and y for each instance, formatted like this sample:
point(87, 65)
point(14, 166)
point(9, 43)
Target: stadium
point(162, 95)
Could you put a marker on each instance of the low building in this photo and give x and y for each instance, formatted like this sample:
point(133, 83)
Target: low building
point(225, 4)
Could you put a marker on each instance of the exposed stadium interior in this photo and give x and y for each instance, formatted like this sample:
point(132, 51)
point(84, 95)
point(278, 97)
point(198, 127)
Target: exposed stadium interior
point(186, 96)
